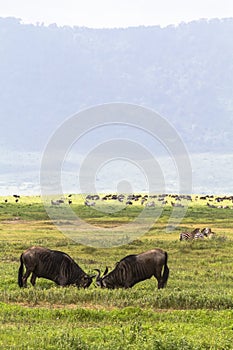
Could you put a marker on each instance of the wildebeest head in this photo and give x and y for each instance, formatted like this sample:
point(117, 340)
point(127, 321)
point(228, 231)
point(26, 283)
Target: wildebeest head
point(85, 281)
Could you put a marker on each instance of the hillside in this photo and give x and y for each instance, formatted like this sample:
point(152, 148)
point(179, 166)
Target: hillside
point(185, 73)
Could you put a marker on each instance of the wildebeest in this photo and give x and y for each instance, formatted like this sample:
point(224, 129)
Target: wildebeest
point(177, 205)
point(210, 205)
point(136, 268)
point(54, 265)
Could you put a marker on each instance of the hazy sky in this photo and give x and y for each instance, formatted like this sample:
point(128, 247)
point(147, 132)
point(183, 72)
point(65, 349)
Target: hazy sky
point(115, 13)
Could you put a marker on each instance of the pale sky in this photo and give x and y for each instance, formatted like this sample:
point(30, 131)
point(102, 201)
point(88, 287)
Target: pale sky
point(114, 13)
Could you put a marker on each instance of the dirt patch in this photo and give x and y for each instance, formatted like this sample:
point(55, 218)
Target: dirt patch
point(64, 306)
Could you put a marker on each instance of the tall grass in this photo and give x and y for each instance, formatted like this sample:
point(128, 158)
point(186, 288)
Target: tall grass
point(193, 312)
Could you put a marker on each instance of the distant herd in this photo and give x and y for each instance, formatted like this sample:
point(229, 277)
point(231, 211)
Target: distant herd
point(149, 201)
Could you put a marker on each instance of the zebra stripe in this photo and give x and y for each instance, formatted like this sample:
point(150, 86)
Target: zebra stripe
point(186, 236)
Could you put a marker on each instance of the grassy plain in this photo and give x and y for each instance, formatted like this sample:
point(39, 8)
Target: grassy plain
point(195, 311)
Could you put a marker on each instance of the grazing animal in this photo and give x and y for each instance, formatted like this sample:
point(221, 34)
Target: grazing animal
point(150, 204)
point(54, 265)
point(121, 198)
point(210, 205)
point(199, 235)
point(57, 202)
point(89, 204)
point(136, 268)
point(177, 205)
point(188, 236)
point(94, 197)
point(196, 234)
point(207, 232)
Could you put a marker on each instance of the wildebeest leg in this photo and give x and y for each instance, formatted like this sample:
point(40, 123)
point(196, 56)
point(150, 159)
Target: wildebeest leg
point(33, 279)
point(25, 277)
point(159, 278)
point(160, 283)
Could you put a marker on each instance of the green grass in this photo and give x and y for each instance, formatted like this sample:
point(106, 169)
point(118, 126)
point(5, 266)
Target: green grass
point(195, 311)
point(128, 328)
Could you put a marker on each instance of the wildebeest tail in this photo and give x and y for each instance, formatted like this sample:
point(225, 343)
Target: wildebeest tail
point(20, 272)
point(165, 271)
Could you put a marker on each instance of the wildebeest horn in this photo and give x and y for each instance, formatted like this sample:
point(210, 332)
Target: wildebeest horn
point(106, 271)
point(98, 276)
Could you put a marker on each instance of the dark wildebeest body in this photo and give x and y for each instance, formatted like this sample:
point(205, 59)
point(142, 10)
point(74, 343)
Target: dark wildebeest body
point(136, 268)
point(53, 265)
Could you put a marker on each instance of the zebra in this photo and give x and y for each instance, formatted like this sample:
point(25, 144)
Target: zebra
point(207, 232)
point(188, 236)
point(196, 234)
point(199, 235)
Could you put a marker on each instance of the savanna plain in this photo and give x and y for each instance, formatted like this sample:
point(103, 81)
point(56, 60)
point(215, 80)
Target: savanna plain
point(194, 311)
